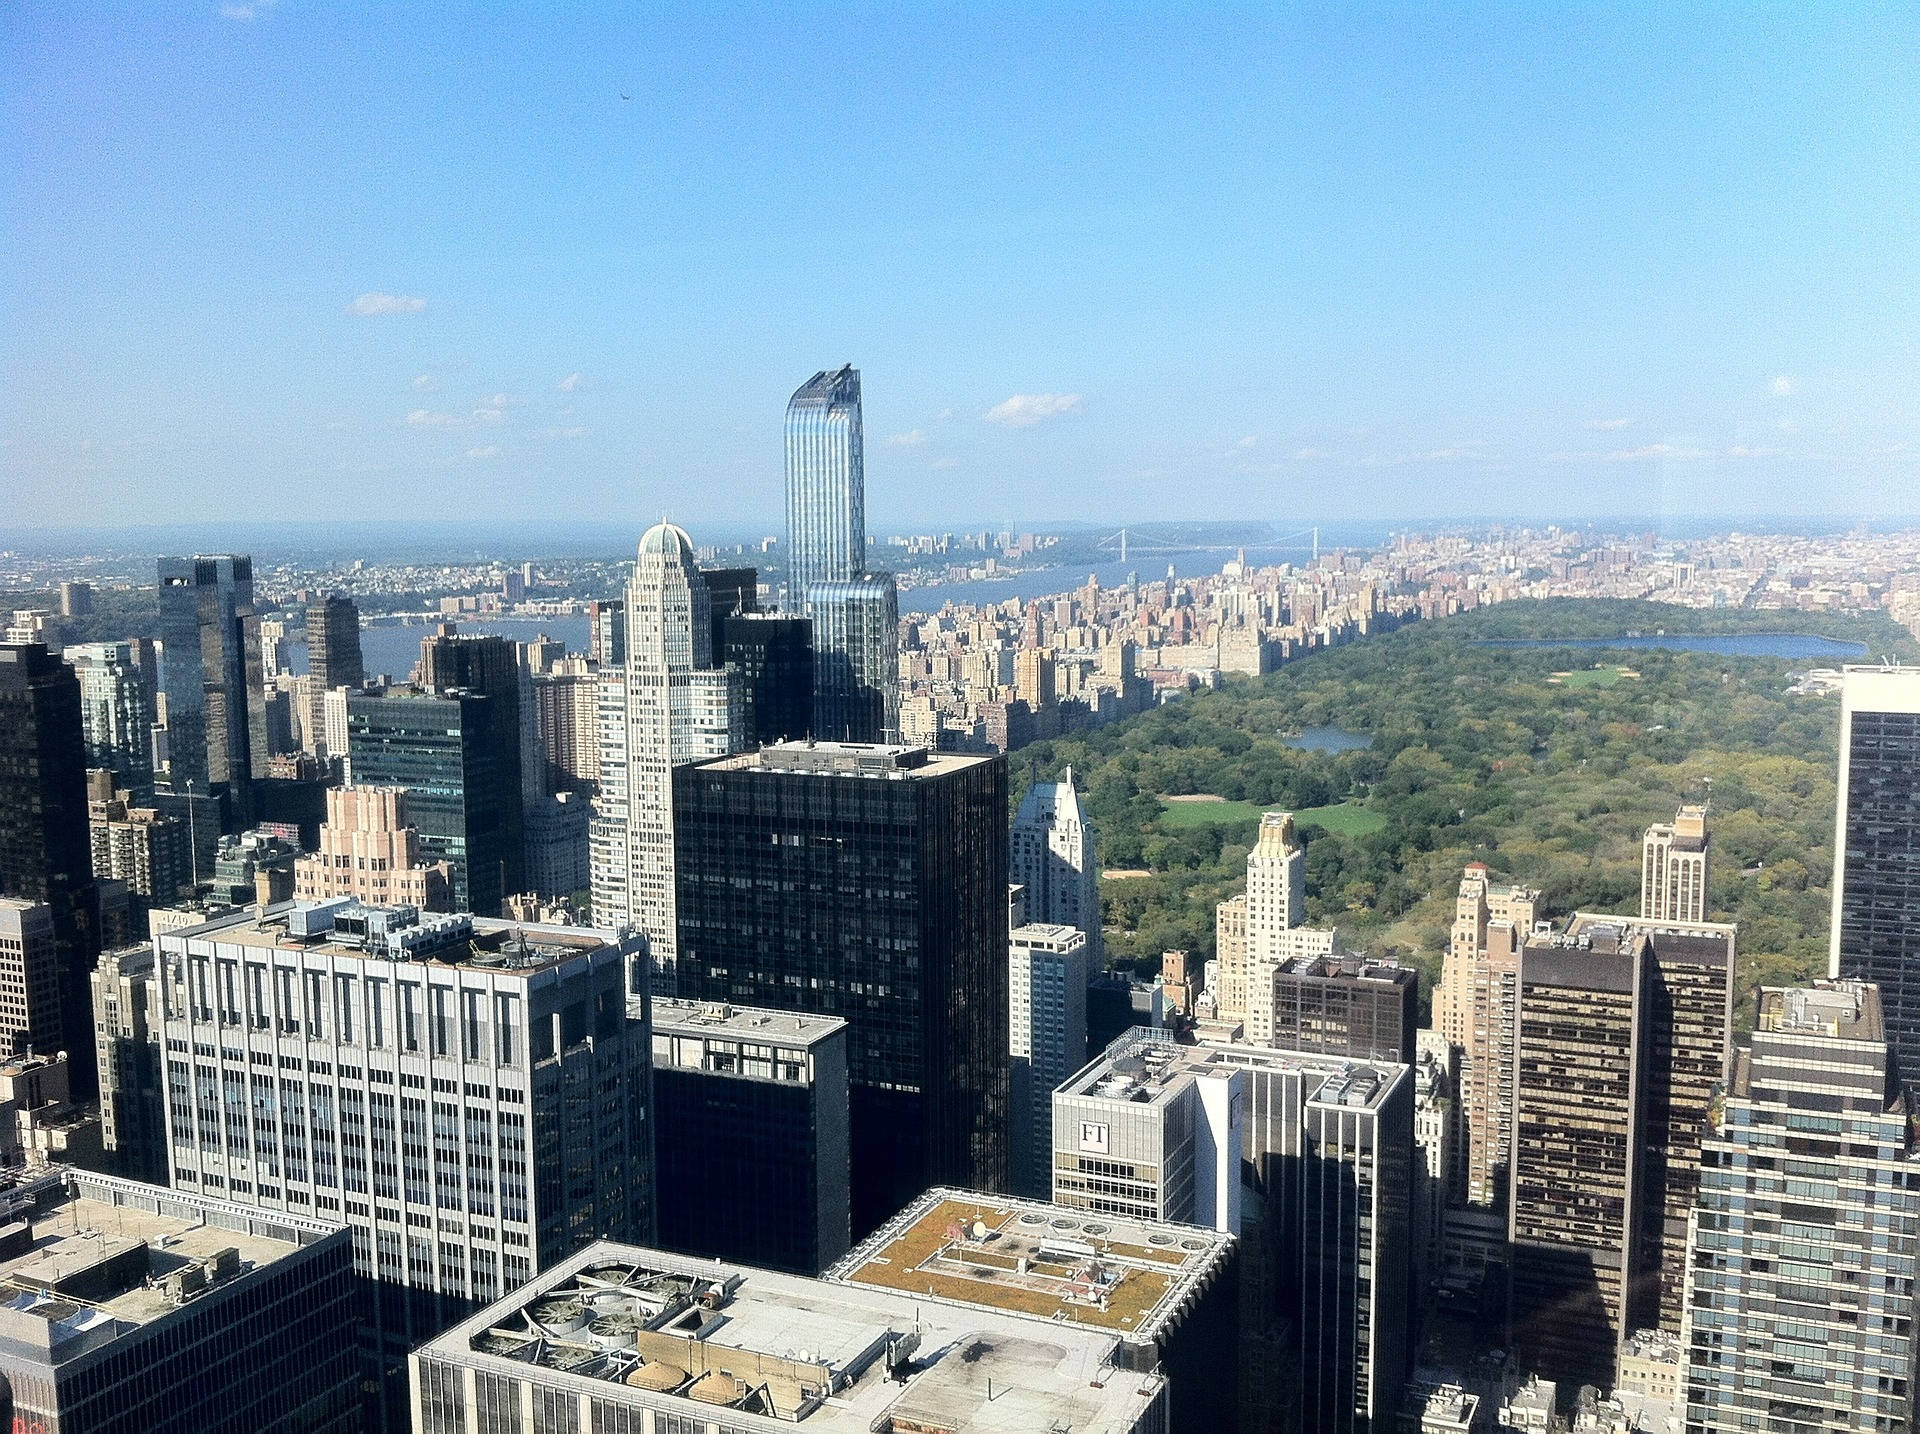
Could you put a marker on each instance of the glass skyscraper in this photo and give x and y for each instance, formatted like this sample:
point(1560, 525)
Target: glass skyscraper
point(210, 670)
point(826, 483)
point(1876, 851)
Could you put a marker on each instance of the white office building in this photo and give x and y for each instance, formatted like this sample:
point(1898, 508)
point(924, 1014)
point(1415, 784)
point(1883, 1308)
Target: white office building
point(1047, 974)
point(1054, 855)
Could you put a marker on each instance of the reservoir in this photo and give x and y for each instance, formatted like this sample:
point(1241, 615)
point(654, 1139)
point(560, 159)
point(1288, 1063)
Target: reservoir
point(1330, 740)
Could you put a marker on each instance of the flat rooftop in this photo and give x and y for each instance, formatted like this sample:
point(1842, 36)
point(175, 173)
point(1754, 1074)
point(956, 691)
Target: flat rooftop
point(346, 927)
point(672, 1333)
point(883, 761)
point(1144, 1067)
point(84, 1266)
point(672, 1016)
point(1843, 1010)
point(1702, 941)
point(1108, 1272)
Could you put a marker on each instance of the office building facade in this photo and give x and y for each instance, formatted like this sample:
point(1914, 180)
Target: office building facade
point(126, 1028)
point(668, 704)
point(1806, 1244)
point(139, 1308)
point(333, 661)
point(1673, 868)
point(750, 1135)
point(457, 755)
point(772, 654)
point(45, 850)
point(868, 883)
point(1345, 1005)
point(1875, 931)
point(1054, 855)
point(118, 708)
point(856, 664)
point(211, 673)
point(370, 850)
point(139, 845)
point(1048, 969)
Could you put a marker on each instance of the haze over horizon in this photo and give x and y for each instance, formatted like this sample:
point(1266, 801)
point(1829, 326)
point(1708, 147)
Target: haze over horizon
point(269, 262)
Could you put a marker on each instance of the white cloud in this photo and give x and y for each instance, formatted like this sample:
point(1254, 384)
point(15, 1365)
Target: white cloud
point(1248, 442)
point(423, 384)
point(1782, 386)
point(1308, 455)
point(575, 432)
point(253, 10)
point(492, 450)
point(367, 305)
point(1605, 425)
point(944, 463)
point(1741, 450)
point(1024, 410)
point(569, 383)
point(1652, 451)
point(502, 400)
point(912, 438)
point(488, 417)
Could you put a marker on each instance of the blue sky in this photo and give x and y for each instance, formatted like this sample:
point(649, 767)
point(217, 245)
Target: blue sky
point(419, 261)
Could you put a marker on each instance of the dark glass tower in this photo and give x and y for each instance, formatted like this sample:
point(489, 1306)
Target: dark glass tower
point(826, 483)
point(333, 660)
point(1876, 852)
point(458, 755)
point(774, 657)
point(44, 851)
point(868, 883)
point(211, 674)
point(730, 592)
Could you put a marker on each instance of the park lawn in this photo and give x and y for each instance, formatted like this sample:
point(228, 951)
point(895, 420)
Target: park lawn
point(1348, 819)
point(1205, 814)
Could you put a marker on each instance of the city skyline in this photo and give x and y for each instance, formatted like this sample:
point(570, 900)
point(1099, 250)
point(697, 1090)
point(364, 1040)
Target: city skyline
point(1367, 266)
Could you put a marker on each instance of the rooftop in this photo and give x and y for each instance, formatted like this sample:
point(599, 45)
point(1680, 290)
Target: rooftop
point(1708, 941)
point(751, 1023)
point(1146, 1067)
point(662, 1331)
point(1127, 1276)
point(847, 759)
point(90, 1258)
point(344, 926)
point(1841, 1010)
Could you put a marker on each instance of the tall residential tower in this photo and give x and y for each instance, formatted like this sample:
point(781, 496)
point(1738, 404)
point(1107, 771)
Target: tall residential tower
point(1055, 857)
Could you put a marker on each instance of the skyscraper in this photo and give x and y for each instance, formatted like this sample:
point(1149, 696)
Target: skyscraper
point(126, 1028)
point(1276, 920)
point(370, 850)
point(1673, 868)
point(826, 484)
point(1047, 977)
point(773, 655)
point(856, 614)
point(867, 883)
point(45, 855)
point(1055, 856)
point(669, 704)
point(1800, 1303)
point(1345, 1005)
point(118, 709)
point(750, 1134)
point(458, 756)
point(1875, 934)
point(333, 660)
point(211, 673)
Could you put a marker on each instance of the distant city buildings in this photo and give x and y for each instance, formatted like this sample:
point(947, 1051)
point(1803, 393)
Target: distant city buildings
point(211, 674)
point(868, 883)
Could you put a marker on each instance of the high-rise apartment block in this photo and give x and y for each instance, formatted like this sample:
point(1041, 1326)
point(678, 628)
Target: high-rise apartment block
point(139, 845)
point(118, 708)
point(32, 995)
point(1806, 1243)
point(210, 671)
point(457, 755)
point(1875, 932)
point(1275, 913)
point(133, 1307)
point(126, 1028)
point(668, 704)
point(1475, 1006)
point(1047, 974)
point(1673, 868)
point(628, 1340)
point(1055, 857)
point(856, 614)
point(333, 661)
point(567, 725)
point(750, 1134)
point(45, 853)
point(1310, 1159)
point(370, 850)
point(868, 883)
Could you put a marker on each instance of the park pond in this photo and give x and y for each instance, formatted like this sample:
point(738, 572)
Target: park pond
point(1330, 740)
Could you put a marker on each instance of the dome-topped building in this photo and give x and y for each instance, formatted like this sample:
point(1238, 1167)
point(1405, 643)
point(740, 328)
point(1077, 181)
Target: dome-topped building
point(667, 540)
